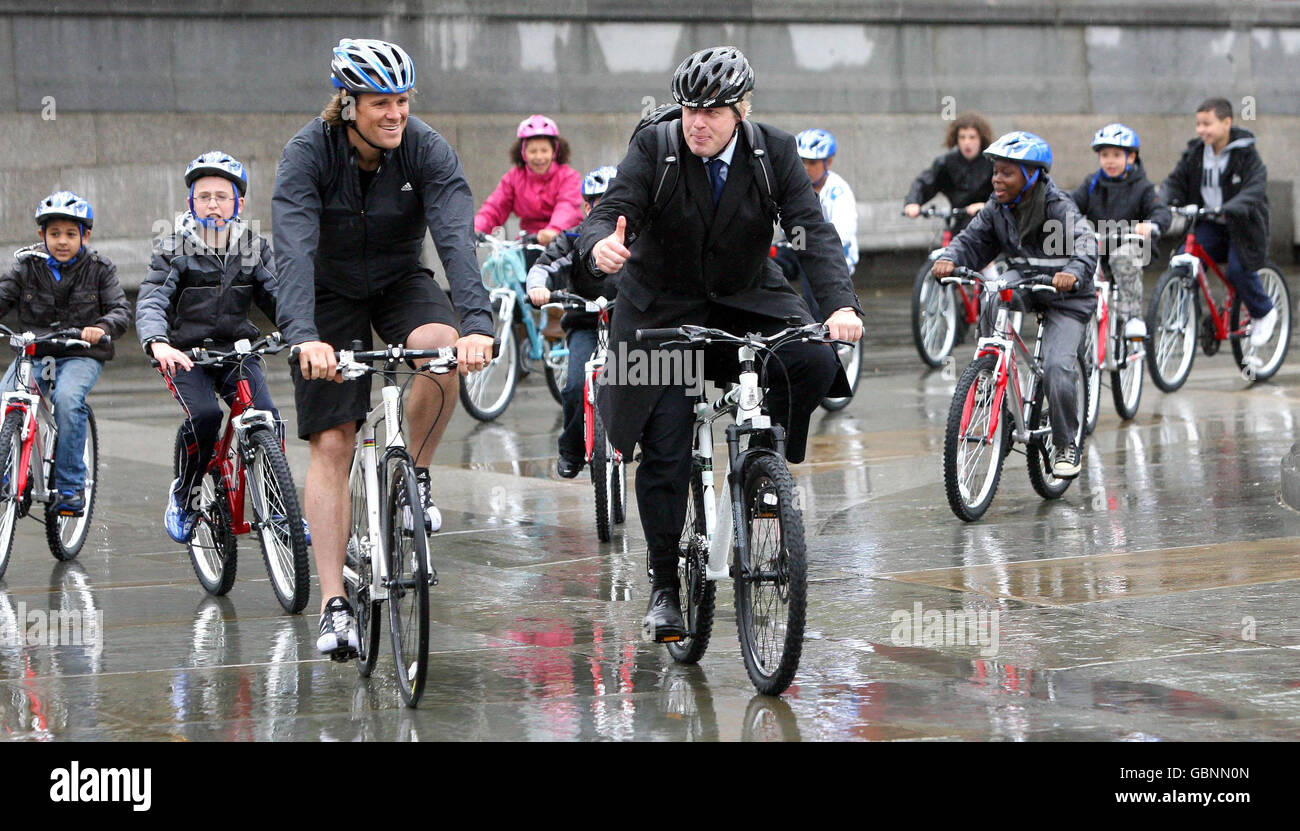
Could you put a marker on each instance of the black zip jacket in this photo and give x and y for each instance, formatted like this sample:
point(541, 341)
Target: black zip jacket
point(192, 293)
point(88, 295)
point(326, 232)
point(1131, 197)
point(1245, 196)
point(961, 181)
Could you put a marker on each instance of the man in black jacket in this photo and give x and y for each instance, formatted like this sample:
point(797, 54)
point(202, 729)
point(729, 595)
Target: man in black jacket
point(703, 259)
point(1222, 169)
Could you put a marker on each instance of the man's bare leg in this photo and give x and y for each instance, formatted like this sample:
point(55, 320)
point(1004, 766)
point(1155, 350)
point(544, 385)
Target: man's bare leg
point(329, 505)
point(432, 398)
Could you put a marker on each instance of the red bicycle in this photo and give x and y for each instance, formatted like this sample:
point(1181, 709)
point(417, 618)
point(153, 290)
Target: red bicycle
point(1175, 322)
point(940, 316)
point(248, 474)
point(608, 470)
point(28, 436)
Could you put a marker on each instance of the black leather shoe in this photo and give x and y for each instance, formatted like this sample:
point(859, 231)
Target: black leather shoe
point(568, 468)
point(663, 617)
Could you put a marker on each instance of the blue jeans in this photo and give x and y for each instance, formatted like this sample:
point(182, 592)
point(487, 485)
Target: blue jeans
point(573, 443)
point(1213, 237)
point(73, 378)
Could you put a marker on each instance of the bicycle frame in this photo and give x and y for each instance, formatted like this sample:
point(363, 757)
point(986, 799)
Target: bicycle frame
point(505, 277)
point(590, 371)
point(229, 456)
point(970, 301)
point(365, 468)
point(38, 430)
point(1196, 260)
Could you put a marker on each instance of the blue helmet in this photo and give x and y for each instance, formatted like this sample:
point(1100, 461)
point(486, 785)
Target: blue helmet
point(218, 163)
point(815, 144)
point(65, 204)
point(1024, 149)
point(366, 65)
point(1116, 135)
point(596, 182)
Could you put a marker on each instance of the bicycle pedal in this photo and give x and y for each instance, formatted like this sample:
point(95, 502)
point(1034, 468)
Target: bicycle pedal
point(342, 656)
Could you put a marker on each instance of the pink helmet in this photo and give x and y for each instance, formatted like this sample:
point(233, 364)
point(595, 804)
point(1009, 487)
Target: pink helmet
point(537, 125)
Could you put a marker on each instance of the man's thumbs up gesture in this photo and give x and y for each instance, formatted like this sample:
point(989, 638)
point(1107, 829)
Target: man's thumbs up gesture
point(610, 253)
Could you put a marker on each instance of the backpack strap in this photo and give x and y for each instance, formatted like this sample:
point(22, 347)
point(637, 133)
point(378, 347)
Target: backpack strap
point(667, 167)
point(763, 174)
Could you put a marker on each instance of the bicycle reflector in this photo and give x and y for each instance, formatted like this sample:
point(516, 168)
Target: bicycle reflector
point(1007, 294)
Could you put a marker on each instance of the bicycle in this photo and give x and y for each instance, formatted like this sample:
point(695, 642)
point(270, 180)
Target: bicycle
point(1175, 323)
point(28, 436)
point(979, 434)
point(940, 318)
point(1106, 349)
point(387, 557)
point(248, 474)
point(486, 394)
point(761, 525)
point(608, 470)
point(850, 355)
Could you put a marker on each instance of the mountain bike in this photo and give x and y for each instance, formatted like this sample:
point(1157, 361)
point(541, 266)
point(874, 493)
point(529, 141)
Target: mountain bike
point(28, 436)
point(999, 400)
point(940, 316)
point(1175, 322)
point(388, 550)
point(487, 394)
point(760, 528)
point(1107, 350)
point(247, 488)
point(608, 469)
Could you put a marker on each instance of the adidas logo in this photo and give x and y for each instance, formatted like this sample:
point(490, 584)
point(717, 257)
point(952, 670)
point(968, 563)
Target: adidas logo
point(406, 186)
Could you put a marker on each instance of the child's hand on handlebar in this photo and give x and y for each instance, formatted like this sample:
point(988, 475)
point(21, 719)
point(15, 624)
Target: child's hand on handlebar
point(1064, 281)
point(974, 208)
point(539, 296)
point(943, 268)
point(92, 334)
point(169, 357)
point(912, 210)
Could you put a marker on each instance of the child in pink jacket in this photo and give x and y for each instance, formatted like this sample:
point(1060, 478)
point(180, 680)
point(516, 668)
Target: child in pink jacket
point(541, 189)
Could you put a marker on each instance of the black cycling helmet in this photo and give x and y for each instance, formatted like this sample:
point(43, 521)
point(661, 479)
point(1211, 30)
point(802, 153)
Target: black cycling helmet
point(717, 76)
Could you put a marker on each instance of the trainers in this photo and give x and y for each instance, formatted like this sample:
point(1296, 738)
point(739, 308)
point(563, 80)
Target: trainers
point(1135, 329)
point(177, 519)
point(568, 468)
point(432, 516)
point(1065, 462)
point(69, 503)
point(1261, 329)
point(338, 631)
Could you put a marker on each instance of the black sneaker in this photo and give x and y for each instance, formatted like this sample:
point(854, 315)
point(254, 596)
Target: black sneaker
point(69, 503)
point(1066, 462)
point(338, 631)
point(568, 468)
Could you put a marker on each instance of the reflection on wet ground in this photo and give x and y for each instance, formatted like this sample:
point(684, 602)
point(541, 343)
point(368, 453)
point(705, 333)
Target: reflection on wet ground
point(1157, 600)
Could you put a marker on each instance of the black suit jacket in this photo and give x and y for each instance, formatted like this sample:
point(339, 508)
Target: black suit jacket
point(692, 257)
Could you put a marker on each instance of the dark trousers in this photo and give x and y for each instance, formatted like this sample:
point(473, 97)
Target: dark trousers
point(572, 443)
point(196, 390)
point(1213, 237)
point(796, 378)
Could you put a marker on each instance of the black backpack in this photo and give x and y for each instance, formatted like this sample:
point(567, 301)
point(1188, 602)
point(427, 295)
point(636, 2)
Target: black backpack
point(666, 122)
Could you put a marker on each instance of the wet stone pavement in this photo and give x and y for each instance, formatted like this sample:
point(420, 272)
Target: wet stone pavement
point(1158, 600)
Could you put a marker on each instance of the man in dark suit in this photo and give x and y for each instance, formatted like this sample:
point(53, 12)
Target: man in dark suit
point(703, 260)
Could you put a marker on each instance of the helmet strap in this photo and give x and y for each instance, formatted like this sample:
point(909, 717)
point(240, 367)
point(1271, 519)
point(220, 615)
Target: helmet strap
point(214, 224)
point(353, 126)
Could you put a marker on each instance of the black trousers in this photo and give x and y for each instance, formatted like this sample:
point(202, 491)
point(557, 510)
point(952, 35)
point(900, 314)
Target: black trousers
point(797, 376)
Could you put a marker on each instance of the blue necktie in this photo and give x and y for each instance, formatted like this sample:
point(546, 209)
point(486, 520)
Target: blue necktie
point(717, 178)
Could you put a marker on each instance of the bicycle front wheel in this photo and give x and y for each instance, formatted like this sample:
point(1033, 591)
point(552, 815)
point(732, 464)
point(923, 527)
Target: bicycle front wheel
point(1261, 363)
point(487, 393)
point(934, 317)
point(973, 450)
point(67, 534)
point(1172, 324)
point(771, 576)
point(11, 453)
point(278, 518)
point(1093, 378)
point(602, 478)
point(557, 373)
point(698, 592)
point(1126, 379)
point(851, 359)
point(408, 573)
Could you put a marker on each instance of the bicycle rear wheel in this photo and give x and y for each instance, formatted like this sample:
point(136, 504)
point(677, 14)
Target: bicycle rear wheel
point(11, 452)
point(934, 317)
point(408, 590)
point(67, 534)
point(278, 520)
point(771, 576)
point(851, 359)
point(972, 460)
point(487, 393)
point(602, 478)
point(1172, 324)
point(212, 547)
point(1093, 378)
point(1262, 363)
point(618, 489)
point(1041, 449)
point(698, 593)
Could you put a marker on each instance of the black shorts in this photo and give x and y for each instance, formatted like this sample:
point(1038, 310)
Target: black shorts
point(394, 313)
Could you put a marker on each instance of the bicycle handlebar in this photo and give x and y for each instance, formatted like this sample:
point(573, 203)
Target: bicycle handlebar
point(1198, 211)
point(206, 356)
point(932, 211)
point(812, 332)
point(354, 364)
point(568, 300)
point(969, 277)
point(68, 337)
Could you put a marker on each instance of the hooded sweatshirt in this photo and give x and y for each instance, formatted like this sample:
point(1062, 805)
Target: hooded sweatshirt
point(551, 200)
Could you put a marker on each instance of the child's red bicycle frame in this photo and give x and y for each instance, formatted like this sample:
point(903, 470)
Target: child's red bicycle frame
point(1191, 254)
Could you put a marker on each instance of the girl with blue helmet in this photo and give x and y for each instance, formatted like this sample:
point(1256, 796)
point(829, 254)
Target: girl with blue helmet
point(1119, 197)
point(1038, 229)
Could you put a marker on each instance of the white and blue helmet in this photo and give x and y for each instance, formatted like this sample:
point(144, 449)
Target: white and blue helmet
point(366, 65)
point(1022, 148)
point(218, 163)
point(815, 144)
point(1116, 135)
point(65, 204)
point(596, 182)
